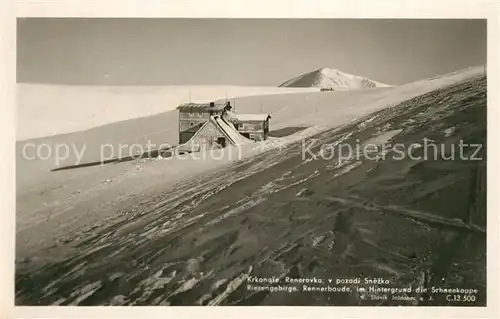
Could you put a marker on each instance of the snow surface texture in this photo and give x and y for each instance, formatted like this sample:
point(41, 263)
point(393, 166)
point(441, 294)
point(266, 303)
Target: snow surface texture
point(332, 79)
point(197, 242)
point(51, 204)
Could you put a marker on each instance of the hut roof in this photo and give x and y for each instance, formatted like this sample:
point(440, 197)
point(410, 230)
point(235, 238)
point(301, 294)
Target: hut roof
point(200, 107)
point(251, 117)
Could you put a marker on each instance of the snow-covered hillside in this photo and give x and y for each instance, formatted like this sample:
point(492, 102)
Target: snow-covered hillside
point(332, 79)
point(49, 109)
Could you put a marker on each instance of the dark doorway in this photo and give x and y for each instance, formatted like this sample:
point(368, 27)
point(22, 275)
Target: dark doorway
point(221, 141)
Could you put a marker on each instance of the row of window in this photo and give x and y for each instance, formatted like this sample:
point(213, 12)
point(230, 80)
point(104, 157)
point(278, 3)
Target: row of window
point(239, 126)
point(197, 114)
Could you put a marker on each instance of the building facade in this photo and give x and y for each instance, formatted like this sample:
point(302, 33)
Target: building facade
point(192, 116)
point(209, 136)
point(252, 126)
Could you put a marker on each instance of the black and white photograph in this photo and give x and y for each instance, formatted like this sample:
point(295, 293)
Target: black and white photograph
point(251, 162)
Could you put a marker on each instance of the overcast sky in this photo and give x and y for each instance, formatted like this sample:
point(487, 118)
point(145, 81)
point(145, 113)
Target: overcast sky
point(241, 52)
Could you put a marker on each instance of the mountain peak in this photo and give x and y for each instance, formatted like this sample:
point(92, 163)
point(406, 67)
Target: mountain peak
point(332, 79)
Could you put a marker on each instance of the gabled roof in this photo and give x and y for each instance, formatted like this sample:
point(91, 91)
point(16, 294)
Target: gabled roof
point(251, 117)
point(228, 131)
point(200, 107)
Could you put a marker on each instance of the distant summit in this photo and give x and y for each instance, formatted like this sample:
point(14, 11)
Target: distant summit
point(331, 79)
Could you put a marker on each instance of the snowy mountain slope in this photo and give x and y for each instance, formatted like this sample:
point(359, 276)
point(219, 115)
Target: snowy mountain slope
point(332, 79)
point(195, 243)
point(49, 109)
